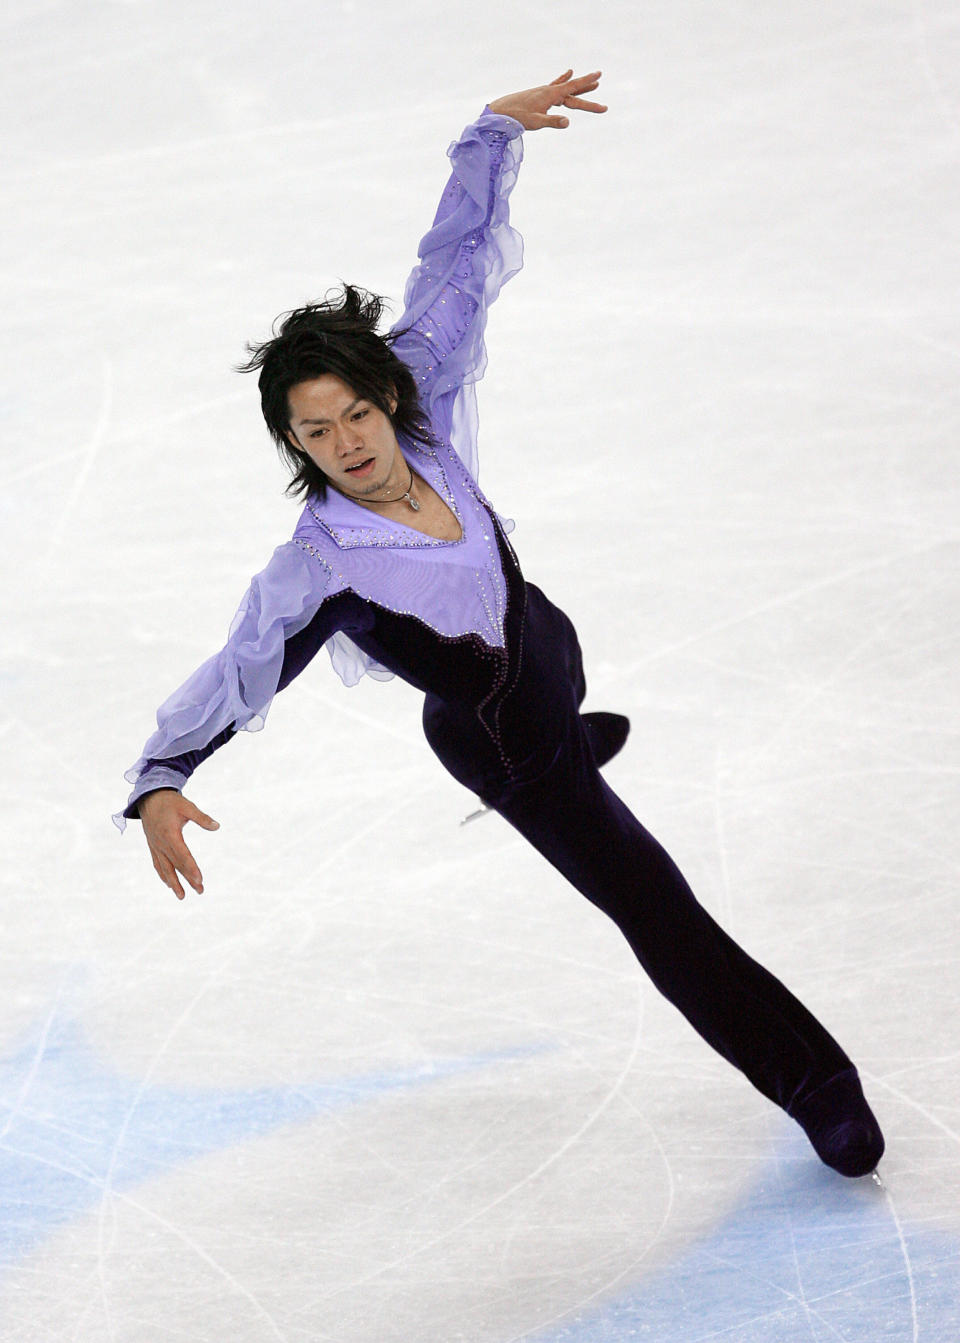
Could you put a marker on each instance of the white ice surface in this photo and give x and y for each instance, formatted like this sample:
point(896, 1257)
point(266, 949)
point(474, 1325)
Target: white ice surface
point(388, 1079)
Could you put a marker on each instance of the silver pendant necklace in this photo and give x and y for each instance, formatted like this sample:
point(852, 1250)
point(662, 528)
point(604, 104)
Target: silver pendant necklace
point(406, 495)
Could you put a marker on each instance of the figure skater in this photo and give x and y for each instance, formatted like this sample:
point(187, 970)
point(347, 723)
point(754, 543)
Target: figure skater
point(400, 565)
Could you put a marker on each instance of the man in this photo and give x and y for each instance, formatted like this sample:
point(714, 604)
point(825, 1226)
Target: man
point(400, 565)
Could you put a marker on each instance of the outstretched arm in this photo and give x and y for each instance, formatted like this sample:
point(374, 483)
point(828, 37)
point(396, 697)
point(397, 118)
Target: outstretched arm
point(288, 612)
point(164, 811)
point(470, 253)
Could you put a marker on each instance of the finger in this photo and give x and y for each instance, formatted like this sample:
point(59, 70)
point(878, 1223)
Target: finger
point(575, 89)
point(176, 857)
point(185, 864)
point(582, 83)
point(555, 123)
point(168, 876)
point(562, 79)
point(583, 105)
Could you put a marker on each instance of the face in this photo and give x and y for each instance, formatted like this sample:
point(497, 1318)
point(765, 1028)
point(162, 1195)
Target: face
point(348, 437)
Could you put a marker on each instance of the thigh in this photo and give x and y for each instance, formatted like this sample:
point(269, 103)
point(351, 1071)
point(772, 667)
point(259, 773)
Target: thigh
point(549, 628)
point(463, 745)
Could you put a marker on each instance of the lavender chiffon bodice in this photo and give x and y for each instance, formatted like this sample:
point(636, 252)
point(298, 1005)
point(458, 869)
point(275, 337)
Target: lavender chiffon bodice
point(338, 547)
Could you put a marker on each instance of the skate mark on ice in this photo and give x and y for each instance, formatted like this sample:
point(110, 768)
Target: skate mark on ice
point(75, 1131)
point(861, 1272)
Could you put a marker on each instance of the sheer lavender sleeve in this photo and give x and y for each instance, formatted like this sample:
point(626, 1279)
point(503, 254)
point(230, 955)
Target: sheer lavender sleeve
point(233, 690)
point(465, 259)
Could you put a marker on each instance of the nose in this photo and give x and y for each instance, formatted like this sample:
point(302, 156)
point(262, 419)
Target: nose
point(349, 442)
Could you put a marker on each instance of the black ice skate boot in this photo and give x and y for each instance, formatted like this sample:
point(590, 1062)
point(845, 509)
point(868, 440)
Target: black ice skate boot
point(606, 733)
point(840, 1125)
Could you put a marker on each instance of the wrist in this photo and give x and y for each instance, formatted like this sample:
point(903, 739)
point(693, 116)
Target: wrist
point(500, 108)
point(146, 801)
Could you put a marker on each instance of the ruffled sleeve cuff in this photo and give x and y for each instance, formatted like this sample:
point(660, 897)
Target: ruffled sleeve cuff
point(158, 776)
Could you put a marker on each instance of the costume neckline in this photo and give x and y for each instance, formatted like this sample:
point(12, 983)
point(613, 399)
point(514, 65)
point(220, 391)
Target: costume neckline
point(338, 513)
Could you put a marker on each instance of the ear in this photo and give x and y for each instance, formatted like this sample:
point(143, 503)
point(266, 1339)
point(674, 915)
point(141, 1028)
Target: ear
point(393, 400)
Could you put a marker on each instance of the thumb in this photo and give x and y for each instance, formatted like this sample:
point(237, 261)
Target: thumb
point(203, 819)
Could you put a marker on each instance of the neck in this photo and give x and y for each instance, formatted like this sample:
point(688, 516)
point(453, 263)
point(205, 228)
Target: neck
point(398, 488)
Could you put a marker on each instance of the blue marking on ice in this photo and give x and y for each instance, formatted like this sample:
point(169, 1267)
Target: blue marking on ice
point(806, 1255)
point(71, 1127)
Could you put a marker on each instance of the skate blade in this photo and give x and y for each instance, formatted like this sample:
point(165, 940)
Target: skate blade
point(475, 815)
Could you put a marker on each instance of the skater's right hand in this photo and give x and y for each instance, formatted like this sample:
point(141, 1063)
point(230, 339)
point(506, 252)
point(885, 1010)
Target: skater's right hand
point(164, 813)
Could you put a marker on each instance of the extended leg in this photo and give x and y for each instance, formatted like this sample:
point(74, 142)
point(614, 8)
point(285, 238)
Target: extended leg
point(580, 825)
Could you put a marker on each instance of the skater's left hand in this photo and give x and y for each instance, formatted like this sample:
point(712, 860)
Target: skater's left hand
point(532, 106)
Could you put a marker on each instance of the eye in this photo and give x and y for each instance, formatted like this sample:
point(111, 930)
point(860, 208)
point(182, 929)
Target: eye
point(359, 415)
point(315, 433)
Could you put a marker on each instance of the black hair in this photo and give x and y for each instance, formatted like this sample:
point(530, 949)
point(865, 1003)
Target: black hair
point(338, 336)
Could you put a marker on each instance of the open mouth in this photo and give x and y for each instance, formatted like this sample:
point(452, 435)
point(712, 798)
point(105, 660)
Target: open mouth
point(361, 468)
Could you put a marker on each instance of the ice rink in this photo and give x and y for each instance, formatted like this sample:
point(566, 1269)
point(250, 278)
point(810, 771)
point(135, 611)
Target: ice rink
point(389, 1079)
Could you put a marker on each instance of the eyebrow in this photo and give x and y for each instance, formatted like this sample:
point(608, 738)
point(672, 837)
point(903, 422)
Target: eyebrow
point(345, 412)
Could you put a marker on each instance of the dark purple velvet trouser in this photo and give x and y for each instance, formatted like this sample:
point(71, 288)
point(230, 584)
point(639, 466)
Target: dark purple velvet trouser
point(528, 757)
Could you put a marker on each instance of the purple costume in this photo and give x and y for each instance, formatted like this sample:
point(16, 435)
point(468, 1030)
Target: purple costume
point(501, 671)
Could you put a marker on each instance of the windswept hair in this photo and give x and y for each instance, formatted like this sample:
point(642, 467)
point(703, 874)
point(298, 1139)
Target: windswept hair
point(338, 336)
